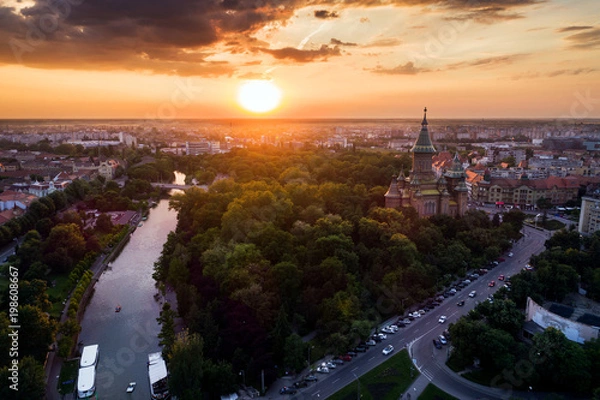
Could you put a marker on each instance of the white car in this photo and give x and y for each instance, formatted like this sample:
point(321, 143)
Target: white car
point(510, 254)
point(323, 370)
point(393, 327)
point(371, 342)
point(442, 339)
point(382, 336)
point(330, 365)
point(388, 330)
point(473, 294)
point(442, 319)
point(415, 314)
point(388, 349)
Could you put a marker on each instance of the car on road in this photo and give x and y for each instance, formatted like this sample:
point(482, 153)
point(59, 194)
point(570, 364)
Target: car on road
point(442, 319)
point(388, 349)
point(437, 344)
point(492, 284)
point(287, 390)
point(388, 330)
point(442, 339)
point(473, 294)
point(501, 277)
point(460, 303)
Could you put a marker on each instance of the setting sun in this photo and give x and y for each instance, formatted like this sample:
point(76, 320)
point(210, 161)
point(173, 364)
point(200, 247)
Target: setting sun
point(259, 96)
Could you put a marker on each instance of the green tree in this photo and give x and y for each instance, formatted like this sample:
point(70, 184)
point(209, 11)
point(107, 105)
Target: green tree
point(31, 381)
point(294, 352)
point(186, 365)
point(166, 320)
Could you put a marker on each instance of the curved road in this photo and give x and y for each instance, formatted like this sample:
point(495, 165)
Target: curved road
point(418, 336)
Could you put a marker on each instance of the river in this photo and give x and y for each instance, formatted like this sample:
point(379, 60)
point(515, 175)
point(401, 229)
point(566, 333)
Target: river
point(126, 338)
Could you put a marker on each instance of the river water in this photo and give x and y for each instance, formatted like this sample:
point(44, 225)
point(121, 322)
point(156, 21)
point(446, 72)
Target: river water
point(126, 338)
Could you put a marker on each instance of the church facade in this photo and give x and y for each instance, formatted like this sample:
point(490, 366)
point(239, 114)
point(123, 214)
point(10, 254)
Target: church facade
point(421, 189)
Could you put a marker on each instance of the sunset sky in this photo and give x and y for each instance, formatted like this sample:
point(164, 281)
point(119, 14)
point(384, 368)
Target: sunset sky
point(329, 58)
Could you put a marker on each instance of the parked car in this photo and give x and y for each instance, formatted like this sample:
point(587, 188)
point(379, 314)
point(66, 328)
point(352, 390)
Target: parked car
point(287, 390)
point(442, 319)
point(382, 336)
point(460, 303)
point(346, 357)
point(501, 277)
point(442, 339)
point(437, 344)
point(360, 349)
point(330, 365)
point(510, 254)
point(300, 384)
point(312, 378)
point(323, 370)
point(371, 342)
point(337, 360)
point(388, 349)
point(352, 353)
point(492, 284)
point(388, 330)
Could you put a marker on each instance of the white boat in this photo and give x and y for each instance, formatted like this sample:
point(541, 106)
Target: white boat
point(158, 376)
point(86, 377)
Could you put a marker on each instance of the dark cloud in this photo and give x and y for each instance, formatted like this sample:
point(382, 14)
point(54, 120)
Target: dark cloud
point(302, 56)
point(574, 28)
point(488, 62)
point(324, 14)
point(383, 42)
point(576, 71)
point(486, 15)
point(589, 39)
point(337, 42)
point(406, 69)
point(174, 36)
point(552, 74)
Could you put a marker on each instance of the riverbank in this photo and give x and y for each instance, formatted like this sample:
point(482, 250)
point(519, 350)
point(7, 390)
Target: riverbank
point(54, 363)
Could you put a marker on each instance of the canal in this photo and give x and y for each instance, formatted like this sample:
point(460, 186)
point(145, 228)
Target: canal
point(125, 338)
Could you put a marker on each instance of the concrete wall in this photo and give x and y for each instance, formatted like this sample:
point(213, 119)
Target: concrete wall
point(575, 331)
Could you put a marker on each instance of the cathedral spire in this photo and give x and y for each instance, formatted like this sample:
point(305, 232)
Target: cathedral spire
point(423, 143)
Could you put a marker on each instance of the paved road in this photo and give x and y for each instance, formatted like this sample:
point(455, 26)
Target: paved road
point(418, 336)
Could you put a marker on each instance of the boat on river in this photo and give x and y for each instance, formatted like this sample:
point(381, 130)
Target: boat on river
point(158, 376)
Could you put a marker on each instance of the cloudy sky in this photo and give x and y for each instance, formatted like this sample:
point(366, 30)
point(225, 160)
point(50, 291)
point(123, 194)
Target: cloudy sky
point(330, 58)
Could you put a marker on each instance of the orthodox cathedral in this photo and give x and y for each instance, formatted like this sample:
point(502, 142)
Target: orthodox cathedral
point(422, 189)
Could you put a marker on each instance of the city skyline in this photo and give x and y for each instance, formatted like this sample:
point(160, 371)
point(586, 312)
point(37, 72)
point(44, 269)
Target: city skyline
point(307, 59)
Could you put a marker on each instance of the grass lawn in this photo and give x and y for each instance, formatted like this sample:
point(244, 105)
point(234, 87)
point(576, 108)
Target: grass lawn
point(58, 292)
point(67, 377)
point(432, 392)
point(386, 382)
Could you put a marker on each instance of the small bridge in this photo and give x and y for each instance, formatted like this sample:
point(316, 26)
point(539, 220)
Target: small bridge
point(176, 186)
